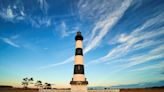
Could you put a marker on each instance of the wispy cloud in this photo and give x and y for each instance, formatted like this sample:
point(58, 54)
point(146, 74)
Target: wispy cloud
point(141, 38)
point(43, 5)
point(95, 10)
point(7, 14)
point(139, 31)
point(10, 42)
point(151, 61)
point(158, 66)
point(65, 30)
point(13, 12)
point(16, 12)
point(57, 64)
point(101, 26)
point(154, 54)
point(135, 40)
point(39, 21)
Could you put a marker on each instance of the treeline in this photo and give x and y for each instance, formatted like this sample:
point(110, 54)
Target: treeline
point(39, 84)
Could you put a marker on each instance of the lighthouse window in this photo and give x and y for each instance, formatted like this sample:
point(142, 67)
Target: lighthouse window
point(79, 51)
point(79, 69)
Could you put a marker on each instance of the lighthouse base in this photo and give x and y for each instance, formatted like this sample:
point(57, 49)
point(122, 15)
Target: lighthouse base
point(79, 88)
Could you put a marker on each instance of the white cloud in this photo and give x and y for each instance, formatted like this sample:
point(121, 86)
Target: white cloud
point(131, 42)
point(157, 66)
point(39, 22)
point(10, 42)
point(65, 30)
point(13, 13)
point(44, 21)
point(22, 13)
point(15, 7)
point(97, 9)
point(154, 54)
point(102, 27)
point(140, 31)
point(43, 5)
point(146, 43)
point(60, 63)
point(16, 12)
point(7, 14)
point(123, 38)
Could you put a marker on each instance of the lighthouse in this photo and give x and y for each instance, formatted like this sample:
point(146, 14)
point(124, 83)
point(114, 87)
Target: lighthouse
point(79, 82)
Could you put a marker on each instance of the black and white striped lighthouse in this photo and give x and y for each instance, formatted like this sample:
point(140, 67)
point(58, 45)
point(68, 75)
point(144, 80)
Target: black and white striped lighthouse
point(79, 82)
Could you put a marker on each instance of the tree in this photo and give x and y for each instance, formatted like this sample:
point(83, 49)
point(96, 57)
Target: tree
point(38, 84)
point(47, 86)
point(26, 81)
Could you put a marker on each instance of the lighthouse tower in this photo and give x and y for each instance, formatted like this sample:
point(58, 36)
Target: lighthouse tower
point(79, 82)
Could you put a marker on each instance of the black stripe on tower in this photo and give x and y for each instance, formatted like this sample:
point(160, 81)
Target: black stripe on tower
point(79, 51)
point(79, 69)
point(78, 36)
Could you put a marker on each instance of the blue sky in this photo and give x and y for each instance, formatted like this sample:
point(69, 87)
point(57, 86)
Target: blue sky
point(123, 41)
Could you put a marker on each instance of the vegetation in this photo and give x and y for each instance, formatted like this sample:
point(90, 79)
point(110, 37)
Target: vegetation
point(39, 84)
point(26, 81)
point(47, 86)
